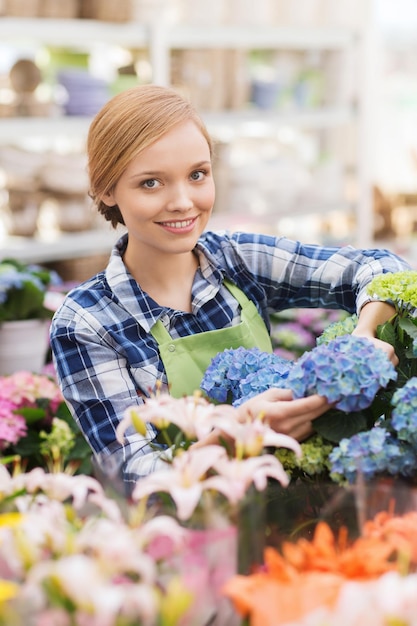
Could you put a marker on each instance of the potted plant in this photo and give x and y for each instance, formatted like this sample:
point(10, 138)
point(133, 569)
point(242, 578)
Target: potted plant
point(26, 307)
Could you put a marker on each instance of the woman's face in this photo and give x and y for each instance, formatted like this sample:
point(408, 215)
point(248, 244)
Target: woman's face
point(166, 194)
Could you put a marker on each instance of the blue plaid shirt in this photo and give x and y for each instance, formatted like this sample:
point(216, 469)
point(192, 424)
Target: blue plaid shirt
point(107, 359)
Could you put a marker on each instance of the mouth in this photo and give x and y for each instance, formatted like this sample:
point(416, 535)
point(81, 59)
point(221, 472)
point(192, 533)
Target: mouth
point(179, 224)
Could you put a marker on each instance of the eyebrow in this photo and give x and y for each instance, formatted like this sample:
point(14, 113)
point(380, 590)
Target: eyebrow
point(159, 172)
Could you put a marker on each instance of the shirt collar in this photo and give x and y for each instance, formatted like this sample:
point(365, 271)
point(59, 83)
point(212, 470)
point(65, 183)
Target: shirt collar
point(135, 301)
point(127, 291)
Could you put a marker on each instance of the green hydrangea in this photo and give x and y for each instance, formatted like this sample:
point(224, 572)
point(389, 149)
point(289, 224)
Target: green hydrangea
point(314, 460)
point(400, 288)
point(337, 329)
point(56, 445)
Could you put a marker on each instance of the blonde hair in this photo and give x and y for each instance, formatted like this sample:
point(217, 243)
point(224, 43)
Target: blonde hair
point(127, 124)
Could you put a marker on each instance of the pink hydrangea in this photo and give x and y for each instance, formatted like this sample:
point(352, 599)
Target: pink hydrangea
point(12, 425)
point(24, 388)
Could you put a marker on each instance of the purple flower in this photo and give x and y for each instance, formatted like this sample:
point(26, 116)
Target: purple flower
point(293, 335)
point(348, 371)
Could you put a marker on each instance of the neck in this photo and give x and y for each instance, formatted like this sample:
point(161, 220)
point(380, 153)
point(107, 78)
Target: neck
point(167, 281)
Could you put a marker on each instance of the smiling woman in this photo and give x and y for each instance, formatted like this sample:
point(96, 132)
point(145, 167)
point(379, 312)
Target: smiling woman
point(165, 205)
point(176, 294)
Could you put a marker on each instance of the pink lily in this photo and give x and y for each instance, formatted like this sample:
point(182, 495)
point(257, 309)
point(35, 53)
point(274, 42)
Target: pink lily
point(184, 480)
point(236, 475)
point(252, 436)
point(193, 415)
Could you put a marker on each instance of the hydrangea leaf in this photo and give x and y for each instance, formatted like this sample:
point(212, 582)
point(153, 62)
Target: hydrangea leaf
point(386, 332)
point(408, 326)
point(335, 425)
point(24, 303)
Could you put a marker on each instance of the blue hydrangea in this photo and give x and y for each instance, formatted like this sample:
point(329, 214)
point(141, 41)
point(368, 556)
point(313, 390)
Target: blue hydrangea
point(371, 453)
point(12, 278)
point(237, 374)
point(347, 370)
point(404, 414)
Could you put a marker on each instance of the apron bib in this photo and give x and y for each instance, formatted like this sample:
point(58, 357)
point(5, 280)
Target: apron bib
point(186, 359)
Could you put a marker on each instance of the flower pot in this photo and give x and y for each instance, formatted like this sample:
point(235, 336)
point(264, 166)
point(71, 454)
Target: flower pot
point(23, 345)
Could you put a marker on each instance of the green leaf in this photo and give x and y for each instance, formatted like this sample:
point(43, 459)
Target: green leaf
point(32, 415)
point(28, 446)
point(408, 326)
point(386, 332)
point(336, 425)
point(25, 303)
point(64, 413)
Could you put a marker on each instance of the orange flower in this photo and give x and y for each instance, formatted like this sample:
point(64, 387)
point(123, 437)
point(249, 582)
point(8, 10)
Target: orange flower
point(270, 601)
point(365, 558)
point(308, 574)
point(398, 530)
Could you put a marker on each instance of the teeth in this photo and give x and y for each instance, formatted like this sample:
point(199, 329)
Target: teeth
point(182, 224)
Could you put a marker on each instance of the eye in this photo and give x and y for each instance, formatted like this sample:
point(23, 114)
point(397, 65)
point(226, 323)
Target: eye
point(198, 175)
point(151, 183)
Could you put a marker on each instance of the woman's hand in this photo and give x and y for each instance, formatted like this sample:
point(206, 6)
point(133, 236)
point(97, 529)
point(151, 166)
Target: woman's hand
point(283, 413)
point(382, 345)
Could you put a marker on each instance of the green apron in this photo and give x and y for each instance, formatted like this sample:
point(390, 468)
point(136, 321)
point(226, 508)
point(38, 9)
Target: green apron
point(186, 359)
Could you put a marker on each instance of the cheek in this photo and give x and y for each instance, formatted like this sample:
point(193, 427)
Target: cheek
point(210, 196)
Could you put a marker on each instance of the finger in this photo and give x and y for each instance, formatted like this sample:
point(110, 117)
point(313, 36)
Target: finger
point(309, 407)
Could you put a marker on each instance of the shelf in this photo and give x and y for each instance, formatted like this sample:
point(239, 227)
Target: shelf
point(85, 33)
point(258, 122)
point(75, 33)
point(237, 121)
point(252, 37)
point(62, 246)
point(161, 38)
point(12, 128)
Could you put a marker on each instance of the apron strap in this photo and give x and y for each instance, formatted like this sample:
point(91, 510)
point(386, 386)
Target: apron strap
point(160, 333)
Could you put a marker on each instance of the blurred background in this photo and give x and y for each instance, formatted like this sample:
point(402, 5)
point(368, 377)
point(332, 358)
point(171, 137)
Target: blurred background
point(312, 105)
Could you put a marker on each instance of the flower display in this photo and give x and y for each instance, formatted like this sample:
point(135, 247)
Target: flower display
point(190, 472)
point(24, 291)
point(178, 551)
point(385, 441)
point(60, 566)
point(371, 429)
point(36, 428)
point(145, 564)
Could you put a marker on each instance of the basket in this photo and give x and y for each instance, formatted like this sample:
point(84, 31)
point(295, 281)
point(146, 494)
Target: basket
point(60, 10)
point(22, 8)
point(80, 269)
point(110, 10)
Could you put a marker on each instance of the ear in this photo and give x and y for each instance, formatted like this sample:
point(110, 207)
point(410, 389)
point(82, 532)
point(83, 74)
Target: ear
point(108, 199)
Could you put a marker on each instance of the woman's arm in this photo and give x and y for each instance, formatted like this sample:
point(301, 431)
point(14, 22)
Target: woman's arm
point(371, 316)
point(98, 389)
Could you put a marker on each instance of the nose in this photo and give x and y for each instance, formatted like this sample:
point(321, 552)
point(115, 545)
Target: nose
point(180, 198)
